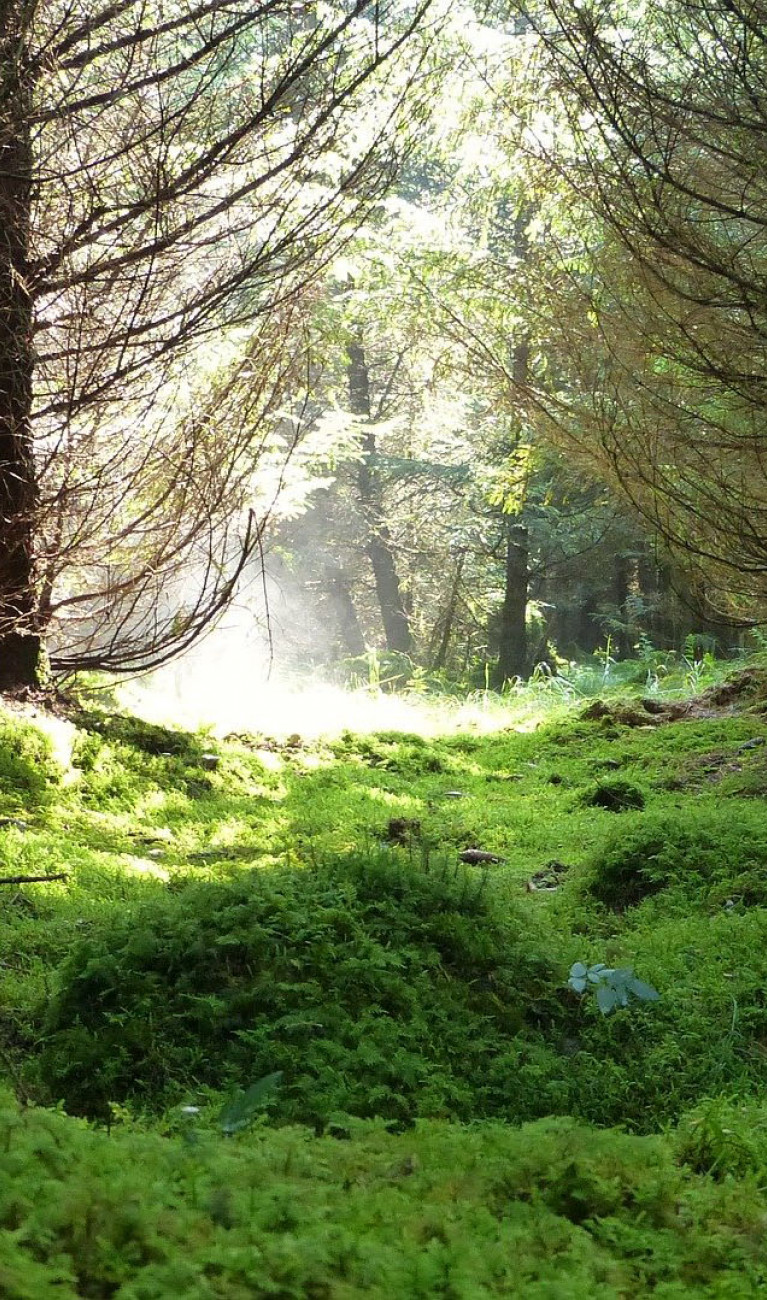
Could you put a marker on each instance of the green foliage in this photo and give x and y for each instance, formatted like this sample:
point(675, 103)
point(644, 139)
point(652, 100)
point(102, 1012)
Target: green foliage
point(699, 851)
point(377, 988)
point(28, 769)
point(552, 1209)
point(386, 670)
point(724, 1139)
point(240, 1112)
point(201, 946)
point(613, 987)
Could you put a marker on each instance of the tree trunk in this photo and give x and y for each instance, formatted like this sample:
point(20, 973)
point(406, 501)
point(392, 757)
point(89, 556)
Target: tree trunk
point(624, 577)
point(349, 628)
point(512, 650)
point(19, 639)
point(658, 596)
point(379, 541)
point(440, 658)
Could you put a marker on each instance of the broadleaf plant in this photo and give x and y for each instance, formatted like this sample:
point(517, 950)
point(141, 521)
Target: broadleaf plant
point(239, 1113)
point(615, 986)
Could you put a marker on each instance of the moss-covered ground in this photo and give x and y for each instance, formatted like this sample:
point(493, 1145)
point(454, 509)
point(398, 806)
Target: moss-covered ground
point(441, 1114)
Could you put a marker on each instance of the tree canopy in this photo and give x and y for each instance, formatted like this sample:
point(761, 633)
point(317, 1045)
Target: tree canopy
point(174, 180)
point(465, 275)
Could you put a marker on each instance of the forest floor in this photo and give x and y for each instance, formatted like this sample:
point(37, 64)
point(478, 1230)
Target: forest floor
point(386, 1015)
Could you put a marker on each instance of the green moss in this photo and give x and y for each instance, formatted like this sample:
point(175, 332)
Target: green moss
point(701, 851)
point(614, 796)
point(376, 988)
point(221, 922)
point(550, 1210)
point(28, 770)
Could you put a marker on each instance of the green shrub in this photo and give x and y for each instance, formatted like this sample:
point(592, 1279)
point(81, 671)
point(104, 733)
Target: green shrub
point(377, 989)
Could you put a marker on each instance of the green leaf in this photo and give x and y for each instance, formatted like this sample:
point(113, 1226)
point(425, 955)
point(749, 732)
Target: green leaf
point(237, 1114)
point(607, 999)
point(644, 991)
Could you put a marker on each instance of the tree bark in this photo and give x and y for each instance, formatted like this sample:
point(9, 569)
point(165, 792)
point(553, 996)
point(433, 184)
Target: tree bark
point(19, 638)
point(379, 540)
point(658, 595)
point(349, 628)
point(440, 658)
point(512, 650)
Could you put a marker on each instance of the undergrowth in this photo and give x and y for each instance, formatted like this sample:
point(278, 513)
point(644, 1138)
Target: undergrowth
point(225, 912)
point(549, 1211)
point(375, 988)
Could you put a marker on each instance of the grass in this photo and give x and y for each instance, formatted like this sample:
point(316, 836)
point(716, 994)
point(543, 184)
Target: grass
point(302, 908)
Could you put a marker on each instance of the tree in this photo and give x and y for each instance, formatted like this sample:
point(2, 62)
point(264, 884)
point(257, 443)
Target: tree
point(437, 316)
point(378, 541)
point(658, 281)
point(173, 179)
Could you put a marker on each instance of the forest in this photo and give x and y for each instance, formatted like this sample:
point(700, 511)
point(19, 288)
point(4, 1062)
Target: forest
point(398, 368)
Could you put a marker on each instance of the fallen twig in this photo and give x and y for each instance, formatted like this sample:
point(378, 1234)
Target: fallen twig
point(32, 880)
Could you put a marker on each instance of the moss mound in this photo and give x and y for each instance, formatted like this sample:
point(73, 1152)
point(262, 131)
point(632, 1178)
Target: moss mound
point(614, 796)
point(699, 851)
point(377, 988)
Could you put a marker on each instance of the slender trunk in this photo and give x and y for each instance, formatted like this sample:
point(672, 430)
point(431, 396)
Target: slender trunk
point(19, 639)
point(512, 650)
point(623, 572)
point(348, 623)
point(379, 540)
point(440, 658)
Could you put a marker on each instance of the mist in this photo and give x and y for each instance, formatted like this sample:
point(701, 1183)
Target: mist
point(258, 675)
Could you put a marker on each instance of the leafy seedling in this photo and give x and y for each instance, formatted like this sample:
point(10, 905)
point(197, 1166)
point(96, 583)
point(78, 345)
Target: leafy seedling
point(239, 1113)
point(614, 987)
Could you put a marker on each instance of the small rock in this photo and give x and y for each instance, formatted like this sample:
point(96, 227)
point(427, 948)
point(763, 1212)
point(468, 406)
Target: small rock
point(456, 794)
point(15, 822)
point(751, 744)
point(210, 761)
